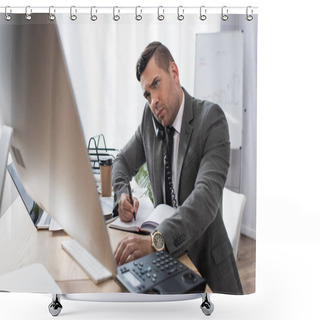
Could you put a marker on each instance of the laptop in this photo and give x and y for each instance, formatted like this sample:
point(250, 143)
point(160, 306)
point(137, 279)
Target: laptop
point(39, 217)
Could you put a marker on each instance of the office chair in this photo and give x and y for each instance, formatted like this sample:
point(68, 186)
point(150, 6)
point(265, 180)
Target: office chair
point(232, 209)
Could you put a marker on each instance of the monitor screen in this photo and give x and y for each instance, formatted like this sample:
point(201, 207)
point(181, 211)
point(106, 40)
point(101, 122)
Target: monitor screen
point(47, 143)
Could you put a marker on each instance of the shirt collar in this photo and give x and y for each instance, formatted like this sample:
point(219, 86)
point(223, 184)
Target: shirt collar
point(178, 120)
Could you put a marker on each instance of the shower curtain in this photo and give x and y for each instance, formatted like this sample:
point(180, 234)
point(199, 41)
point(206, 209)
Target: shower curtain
point(216, 54)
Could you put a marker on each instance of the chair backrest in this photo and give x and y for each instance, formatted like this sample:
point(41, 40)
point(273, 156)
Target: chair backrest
point(232, 209)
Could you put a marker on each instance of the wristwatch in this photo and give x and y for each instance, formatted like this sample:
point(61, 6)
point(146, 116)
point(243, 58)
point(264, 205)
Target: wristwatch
point(157, 240)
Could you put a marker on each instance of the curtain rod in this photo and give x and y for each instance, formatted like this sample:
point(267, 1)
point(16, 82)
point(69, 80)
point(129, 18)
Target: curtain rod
point(128, 9)
point(161, 11)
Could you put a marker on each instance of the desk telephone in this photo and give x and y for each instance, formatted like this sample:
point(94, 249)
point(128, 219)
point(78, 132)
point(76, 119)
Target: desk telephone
point(159, 273)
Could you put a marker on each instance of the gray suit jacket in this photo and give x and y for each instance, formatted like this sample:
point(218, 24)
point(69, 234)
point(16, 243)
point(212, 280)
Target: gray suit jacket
point(196, 227)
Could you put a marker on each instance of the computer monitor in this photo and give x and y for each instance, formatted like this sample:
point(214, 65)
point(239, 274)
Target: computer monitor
point(47, 143)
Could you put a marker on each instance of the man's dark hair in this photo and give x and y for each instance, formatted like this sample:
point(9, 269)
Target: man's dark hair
point(161, 54)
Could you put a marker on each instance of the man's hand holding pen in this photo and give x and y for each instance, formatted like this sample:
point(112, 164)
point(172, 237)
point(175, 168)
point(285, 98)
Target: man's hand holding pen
point(133, 246)
point(128, 207)
point(131, 201)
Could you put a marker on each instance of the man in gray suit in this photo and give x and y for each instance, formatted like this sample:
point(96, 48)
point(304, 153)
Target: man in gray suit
point(199, 168)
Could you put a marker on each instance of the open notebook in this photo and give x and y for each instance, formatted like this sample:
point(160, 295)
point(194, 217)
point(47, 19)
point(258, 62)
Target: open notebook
point(147, 218)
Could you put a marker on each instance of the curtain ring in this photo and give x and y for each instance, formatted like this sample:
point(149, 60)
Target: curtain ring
point(249, 17)
point(6, 14)
point(180, 14)
point(160, 16)
point(73, 12)
point(224, 13)
point(116, 17)
point(138, 16)
point(203, 13)
point(28, 13)
point(52, 12)
point(93, 17)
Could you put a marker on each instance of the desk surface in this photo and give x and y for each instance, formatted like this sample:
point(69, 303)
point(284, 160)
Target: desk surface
point(21, 244)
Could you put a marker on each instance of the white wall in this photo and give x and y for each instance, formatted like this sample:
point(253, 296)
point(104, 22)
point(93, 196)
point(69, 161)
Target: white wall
point(101, 57)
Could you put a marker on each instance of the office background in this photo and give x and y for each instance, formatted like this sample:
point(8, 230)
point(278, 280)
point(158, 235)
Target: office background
point(288, 210)
point(102, 55)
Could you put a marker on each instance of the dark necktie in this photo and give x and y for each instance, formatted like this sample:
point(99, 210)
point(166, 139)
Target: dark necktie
point(168, 167)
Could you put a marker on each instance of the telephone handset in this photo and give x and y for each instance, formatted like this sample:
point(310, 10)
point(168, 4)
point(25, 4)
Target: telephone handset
point(158, 128)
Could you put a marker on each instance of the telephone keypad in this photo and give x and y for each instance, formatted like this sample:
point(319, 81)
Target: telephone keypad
point(150, 272)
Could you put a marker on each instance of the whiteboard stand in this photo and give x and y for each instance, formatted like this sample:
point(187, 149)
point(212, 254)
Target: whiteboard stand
point(240, 191)
point(240, 171)
point(234, 180)
point(244, 111)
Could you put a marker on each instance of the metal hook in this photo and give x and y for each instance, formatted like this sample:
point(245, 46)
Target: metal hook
point(203, 13)
point(73, 15)
point(160, 16)
point(138, 16)
point(180, 15)
point(27, 15)
point(52, 16)
point(249, 17)
point(116, 17)
point(224, 15)
point(93, 17)
point(6, 14)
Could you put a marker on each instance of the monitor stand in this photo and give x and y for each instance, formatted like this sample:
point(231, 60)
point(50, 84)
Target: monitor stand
point(4, 151)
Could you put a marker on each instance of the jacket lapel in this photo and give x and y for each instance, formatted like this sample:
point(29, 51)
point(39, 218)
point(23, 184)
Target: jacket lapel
point(185, 135)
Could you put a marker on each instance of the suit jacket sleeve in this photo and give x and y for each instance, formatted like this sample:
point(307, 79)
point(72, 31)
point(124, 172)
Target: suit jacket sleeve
point(143, 147)
point(202, 177)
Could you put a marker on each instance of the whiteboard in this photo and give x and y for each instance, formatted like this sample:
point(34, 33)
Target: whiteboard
point(219, 76)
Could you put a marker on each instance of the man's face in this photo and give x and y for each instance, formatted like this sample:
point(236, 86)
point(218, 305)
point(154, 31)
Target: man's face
point(162, 91)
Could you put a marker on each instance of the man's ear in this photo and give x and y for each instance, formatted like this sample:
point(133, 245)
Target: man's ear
point(174, 70)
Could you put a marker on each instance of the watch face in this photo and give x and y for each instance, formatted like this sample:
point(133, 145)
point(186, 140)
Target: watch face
point(158, 241)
